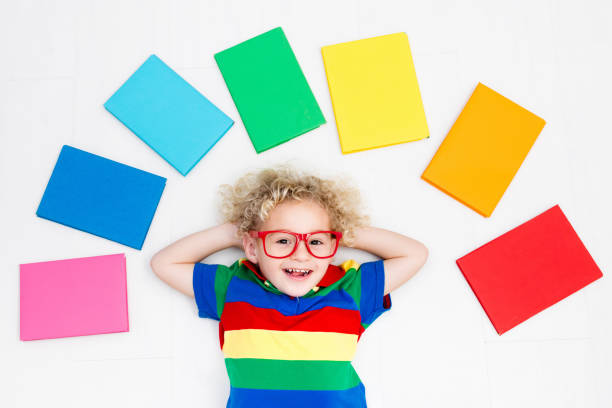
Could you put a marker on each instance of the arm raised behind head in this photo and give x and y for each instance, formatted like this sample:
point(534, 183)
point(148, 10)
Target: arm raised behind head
point(174, 264)
point(403, 256)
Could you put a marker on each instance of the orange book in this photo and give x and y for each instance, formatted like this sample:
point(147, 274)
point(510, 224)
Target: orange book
point(483, 150)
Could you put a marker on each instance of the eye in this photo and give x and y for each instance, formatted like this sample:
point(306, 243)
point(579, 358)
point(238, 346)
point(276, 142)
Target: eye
point(282, 241)
point(316, 242)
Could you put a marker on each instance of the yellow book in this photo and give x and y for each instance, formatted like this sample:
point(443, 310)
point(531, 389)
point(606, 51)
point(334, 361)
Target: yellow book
point(483, 150)
point(374, 92)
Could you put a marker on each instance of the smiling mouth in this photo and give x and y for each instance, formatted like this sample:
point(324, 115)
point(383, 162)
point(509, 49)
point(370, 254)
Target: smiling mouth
point(297, 273)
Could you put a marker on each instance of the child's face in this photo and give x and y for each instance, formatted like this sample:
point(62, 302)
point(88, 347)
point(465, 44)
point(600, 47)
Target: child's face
point(296, 216)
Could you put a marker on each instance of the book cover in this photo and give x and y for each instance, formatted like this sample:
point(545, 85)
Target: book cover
point(374, 92)
point(101, 196)
point(269, 89)
point(528, 269)
point(73, 297)
point(168, 114)
point(483, 150)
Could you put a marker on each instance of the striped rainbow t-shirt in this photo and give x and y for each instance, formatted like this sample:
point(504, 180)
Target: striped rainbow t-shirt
point(283, 351)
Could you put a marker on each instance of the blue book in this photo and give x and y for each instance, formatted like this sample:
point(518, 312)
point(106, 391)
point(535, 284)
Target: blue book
point(168, 114)
point(102, 197)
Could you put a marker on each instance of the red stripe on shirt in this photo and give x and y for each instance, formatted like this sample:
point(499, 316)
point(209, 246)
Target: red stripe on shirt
point(242, 315)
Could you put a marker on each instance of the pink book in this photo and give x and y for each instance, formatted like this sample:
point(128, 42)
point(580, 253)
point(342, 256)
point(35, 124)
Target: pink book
point(73, 297)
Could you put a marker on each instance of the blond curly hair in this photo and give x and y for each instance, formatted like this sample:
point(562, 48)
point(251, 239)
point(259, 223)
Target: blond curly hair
point(249, 201)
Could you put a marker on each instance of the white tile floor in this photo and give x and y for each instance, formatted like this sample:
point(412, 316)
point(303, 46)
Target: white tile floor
point(61, 60)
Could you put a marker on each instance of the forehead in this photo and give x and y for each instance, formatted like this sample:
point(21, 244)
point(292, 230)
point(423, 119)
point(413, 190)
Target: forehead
point(297, 216)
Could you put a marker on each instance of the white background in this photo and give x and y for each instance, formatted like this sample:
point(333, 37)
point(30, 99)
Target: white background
point(61, 60)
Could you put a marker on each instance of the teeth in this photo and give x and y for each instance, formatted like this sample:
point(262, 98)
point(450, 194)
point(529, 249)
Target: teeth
point(295, 270)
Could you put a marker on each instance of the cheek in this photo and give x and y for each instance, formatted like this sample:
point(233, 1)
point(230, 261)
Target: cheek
point(270, 269)
point(323, 265)
point(266, 262)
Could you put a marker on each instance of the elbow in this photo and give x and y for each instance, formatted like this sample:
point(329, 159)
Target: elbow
point(156, 265)
point(425, 254)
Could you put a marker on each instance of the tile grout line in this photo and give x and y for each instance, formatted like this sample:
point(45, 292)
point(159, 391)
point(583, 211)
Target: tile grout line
point(486, 362)
point(124, 359)
point(74, 78)
point(41, 78)
point(537, 340)
point(487, 373)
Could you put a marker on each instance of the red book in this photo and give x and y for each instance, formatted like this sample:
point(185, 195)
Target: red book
point(528, 269)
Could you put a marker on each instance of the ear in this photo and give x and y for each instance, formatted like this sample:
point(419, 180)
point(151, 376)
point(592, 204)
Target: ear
point(250, 247)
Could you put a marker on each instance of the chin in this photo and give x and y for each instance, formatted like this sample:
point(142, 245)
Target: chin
point(297, 292)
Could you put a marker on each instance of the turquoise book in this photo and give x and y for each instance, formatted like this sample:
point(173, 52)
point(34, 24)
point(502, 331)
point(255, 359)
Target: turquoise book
point(168, 114)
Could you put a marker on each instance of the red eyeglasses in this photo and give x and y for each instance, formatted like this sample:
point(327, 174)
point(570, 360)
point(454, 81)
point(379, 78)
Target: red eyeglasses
point(281, 244)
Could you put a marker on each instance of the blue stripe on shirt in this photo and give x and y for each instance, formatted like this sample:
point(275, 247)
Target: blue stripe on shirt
point(254, 398)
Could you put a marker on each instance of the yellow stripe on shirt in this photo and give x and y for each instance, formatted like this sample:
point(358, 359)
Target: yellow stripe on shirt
point(289, 345)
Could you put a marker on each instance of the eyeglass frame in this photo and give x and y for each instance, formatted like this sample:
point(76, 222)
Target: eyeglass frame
point(299, 237)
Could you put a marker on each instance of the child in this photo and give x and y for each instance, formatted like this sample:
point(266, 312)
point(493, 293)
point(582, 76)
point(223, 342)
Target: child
point(289, 320)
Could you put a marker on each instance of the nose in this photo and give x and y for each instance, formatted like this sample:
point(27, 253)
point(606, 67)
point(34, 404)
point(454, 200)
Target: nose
point(301, 253)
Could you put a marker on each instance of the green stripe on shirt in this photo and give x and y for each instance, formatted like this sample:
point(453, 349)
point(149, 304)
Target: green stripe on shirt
point(291, 374)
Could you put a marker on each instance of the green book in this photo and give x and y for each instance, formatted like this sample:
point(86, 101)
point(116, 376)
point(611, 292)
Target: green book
point(269, 89)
